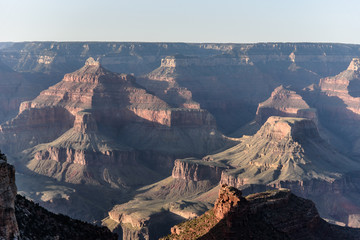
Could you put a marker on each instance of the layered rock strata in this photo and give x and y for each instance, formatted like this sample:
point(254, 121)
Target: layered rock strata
point(187, 169)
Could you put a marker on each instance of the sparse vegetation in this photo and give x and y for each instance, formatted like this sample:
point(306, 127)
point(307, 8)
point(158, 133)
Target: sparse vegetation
point(2, 156)
point(35, 222)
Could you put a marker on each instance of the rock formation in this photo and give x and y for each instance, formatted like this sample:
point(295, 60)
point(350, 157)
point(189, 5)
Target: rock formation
point(8, 225)
point(95, 119)
point(276, 214)
point(338, 105)
point(284, 103)
point(196, 171)
point(163, 82)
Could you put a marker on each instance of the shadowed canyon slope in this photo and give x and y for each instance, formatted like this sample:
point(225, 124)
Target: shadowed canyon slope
point(276, 214)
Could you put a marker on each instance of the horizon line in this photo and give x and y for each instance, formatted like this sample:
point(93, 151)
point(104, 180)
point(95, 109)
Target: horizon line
point(178, 42)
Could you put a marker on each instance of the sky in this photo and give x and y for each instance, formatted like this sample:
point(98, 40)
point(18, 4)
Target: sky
point(234, 21)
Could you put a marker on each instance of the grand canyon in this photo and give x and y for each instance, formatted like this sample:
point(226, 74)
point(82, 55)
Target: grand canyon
point(139, 138)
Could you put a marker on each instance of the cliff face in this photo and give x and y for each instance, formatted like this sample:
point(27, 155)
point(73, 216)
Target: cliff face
point(8, 225)
point(345, 87)
point(274, 214)
point(196, 171)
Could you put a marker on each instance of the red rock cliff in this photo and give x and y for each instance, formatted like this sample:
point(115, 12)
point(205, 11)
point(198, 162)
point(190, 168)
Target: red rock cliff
point(196, 170)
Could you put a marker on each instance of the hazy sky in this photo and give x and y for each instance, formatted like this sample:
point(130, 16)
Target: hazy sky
point(181, 20)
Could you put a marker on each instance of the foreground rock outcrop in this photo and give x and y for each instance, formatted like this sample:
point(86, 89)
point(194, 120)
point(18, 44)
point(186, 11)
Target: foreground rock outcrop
point(8, 225)
point(276, 214)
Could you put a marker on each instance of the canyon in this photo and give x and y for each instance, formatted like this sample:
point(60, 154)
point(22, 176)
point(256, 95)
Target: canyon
point(141, 135)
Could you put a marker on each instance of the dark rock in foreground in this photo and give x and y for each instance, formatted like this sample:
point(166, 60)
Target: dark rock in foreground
point(276, 214)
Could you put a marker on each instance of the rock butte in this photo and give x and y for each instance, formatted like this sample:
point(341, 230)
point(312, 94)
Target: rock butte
point(285, 103)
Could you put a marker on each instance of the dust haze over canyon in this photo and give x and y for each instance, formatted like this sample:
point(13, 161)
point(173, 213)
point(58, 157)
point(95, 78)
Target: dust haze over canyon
point(138, 137)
